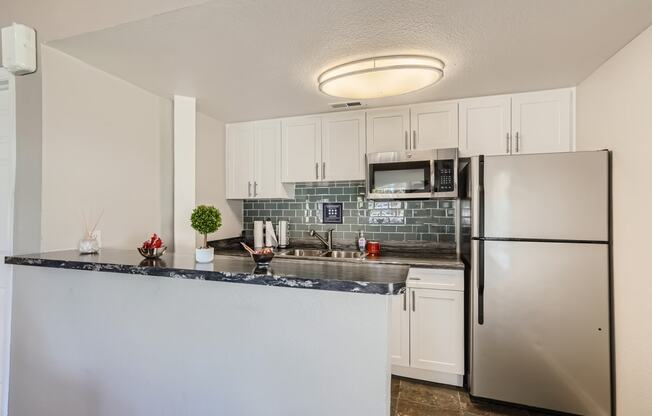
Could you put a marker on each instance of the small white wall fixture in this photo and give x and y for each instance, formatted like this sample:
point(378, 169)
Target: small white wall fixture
point(184, 172)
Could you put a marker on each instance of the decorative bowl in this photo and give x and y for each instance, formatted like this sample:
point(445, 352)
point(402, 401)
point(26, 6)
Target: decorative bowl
point(263, 259)
point(152, 253)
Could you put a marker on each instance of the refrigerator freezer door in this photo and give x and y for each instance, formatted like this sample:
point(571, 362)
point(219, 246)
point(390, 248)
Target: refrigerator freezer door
point(545, 339)
point(547, 196)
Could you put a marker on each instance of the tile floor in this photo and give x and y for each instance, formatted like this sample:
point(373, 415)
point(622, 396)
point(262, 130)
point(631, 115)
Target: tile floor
point(415, 398)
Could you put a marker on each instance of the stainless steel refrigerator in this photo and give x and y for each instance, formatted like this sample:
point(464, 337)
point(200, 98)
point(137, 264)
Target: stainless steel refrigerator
point(540, 281)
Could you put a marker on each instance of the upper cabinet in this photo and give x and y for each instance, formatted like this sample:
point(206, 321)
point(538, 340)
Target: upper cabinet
point(388, 129)
point(542, 122)
point(420, 126)
point(327, 148)
point(301, 149)
point(239, 160)
point(537, 122)
point(434, 125)
point(253, 161)
point(343, 146)
point(485, 126)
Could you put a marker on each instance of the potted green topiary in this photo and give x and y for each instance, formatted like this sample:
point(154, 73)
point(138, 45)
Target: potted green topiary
point(205, 219)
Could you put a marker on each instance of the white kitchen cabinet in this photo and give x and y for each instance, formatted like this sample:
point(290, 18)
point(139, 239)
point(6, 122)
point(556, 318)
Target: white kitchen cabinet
point(343, 146)
point(437, 330)
point(267, 160)
point(239, 160)
point(434, 125)
point(427, 334)
point(301, 149)
point(542, 122)
point(536, 122)
point(485, 126)
point(400, 337)
point(253, 161)
point(388, 129)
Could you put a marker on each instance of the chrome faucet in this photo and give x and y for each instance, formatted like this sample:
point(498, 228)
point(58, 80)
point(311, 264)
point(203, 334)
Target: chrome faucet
point(328, 242)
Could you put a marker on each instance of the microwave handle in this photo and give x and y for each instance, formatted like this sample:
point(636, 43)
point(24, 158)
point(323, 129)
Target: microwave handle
point(433, 176)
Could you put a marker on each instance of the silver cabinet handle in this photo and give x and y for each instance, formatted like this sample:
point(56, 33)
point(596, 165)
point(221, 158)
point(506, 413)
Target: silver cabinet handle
point(323, 170)
point(414, 139)
point(507, 146)
point(414, 303)
point(406, 141)
point(405, 300)
point(518, 142)
point(316, 170)
point(255, 188)
point(248, 188)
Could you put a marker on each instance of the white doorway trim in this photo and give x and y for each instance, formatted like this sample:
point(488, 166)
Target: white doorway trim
point(7, 83)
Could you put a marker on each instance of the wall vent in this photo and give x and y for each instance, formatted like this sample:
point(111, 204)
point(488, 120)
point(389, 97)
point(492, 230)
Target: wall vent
point(350, 104)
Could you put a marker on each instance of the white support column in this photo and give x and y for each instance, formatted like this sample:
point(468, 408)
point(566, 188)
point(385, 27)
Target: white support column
point(184, 172)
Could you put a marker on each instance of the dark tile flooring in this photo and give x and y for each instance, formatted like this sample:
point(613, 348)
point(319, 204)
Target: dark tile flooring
point(420, 398)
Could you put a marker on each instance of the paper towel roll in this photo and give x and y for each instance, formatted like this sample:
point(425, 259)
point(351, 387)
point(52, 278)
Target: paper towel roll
point(283, 233)
point(258, 234)
point(270, 235)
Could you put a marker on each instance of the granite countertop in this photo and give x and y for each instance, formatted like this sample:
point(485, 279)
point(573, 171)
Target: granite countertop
point(358, 277)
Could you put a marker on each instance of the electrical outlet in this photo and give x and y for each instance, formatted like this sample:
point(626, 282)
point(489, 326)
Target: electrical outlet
point(97, 234)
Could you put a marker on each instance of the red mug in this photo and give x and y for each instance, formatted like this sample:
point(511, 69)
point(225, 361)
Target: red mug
point(373, 248)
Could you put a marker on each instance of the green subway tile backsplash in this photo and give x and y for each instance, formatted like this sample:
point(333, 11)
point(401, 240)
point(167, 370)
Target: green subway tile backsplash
point(431, 220)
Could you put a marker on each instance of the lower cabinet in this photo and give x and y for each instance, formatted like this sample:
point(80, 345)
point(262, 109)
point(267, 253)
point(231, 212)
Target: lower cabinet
point(427, 340)
point(400, 338)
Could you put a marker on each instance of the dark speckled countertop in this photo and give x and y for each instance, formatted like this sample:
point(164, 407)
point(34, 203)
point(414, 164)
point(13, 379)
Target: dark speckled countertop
point(359, 277)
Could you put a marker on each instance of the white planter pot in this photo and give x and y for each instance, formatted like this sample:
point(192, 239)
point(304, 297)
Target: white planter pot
point(204, 255)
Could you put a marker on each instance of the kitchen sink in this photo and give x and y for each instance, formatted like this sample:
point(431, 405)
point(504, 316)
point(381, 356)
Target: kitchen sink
point(341, 254)
point(304, 253)
point(324, 254)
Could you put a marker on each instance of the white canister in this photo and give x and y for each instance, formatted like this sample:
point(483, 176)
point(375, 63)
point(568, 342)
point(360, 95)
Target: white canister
point(283, 239)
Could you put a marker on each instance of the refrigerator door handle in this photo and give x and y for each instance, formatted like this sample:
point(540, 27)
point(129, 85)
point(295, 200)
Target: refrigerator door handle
point(480, 282)
point(481, 206)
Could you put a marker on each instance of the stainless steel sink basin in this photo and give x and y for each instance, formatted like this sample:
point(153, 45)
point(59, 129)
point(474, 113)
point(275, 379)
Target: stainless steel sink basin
point(304, 253)
point(324, 254)
point(341, 254)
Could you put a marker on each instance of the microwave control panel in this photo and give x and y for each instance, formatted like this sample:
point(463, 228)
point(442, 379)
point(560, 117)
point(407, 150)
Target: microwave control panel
point(444, 175)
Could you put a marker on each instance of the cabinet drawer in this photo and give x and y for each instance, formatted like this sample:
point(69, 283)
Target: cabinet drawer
point(442, 279)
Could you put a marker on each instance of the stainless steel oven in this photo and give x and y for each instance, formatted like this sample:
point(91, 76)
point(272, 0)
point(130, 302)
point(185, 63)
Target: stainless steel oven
point(417, 174)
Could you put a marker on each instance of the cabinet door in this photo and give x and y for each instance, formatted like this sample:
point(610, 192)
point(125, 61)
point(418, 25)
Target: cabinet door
point(400, 336)
point(388, 129)
point(434, 126)
point(542, 122)
point(267, 160)
point(239, 160)
point(343, 147)
point(485, 126)
point(437, 330)
point(301, 149)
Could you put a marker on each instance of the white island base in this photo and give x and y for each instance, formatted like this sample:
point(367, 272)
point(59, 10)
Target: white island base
point(105, 344)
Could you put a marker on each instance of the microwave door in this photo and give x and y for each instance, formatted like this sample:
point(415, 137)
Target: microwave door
point(400, 180)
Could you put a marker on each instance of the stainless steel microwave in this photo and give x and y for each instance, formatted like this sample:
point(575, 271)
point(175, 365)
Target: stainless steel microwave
point(412, 174)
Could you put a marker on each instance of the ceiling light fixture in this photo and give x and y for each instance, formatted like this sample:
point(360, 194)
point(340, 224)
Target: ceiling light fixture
point(382, 76)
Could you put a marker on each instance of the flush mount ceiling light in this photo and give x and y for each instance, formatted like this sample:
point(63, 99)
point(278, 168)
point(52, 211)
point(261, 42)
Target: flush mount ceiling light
point(382, 76)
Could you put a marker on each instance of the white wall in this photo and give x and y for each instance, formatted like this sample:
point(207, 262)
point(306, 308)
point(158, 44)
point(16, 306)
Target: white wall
point(211, 176)
point(614, 110)
point(105, 147)
point(90, 343)
point(185, 126)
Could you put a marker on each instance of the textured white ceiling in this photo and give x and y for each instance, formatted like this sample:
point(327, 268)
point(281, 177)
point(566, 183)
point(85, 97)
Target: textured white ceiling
point(246, 59)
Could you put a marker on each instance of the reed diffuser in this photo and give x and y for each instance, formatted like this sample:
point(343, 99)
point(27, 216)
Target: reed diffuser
point(89, 244)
